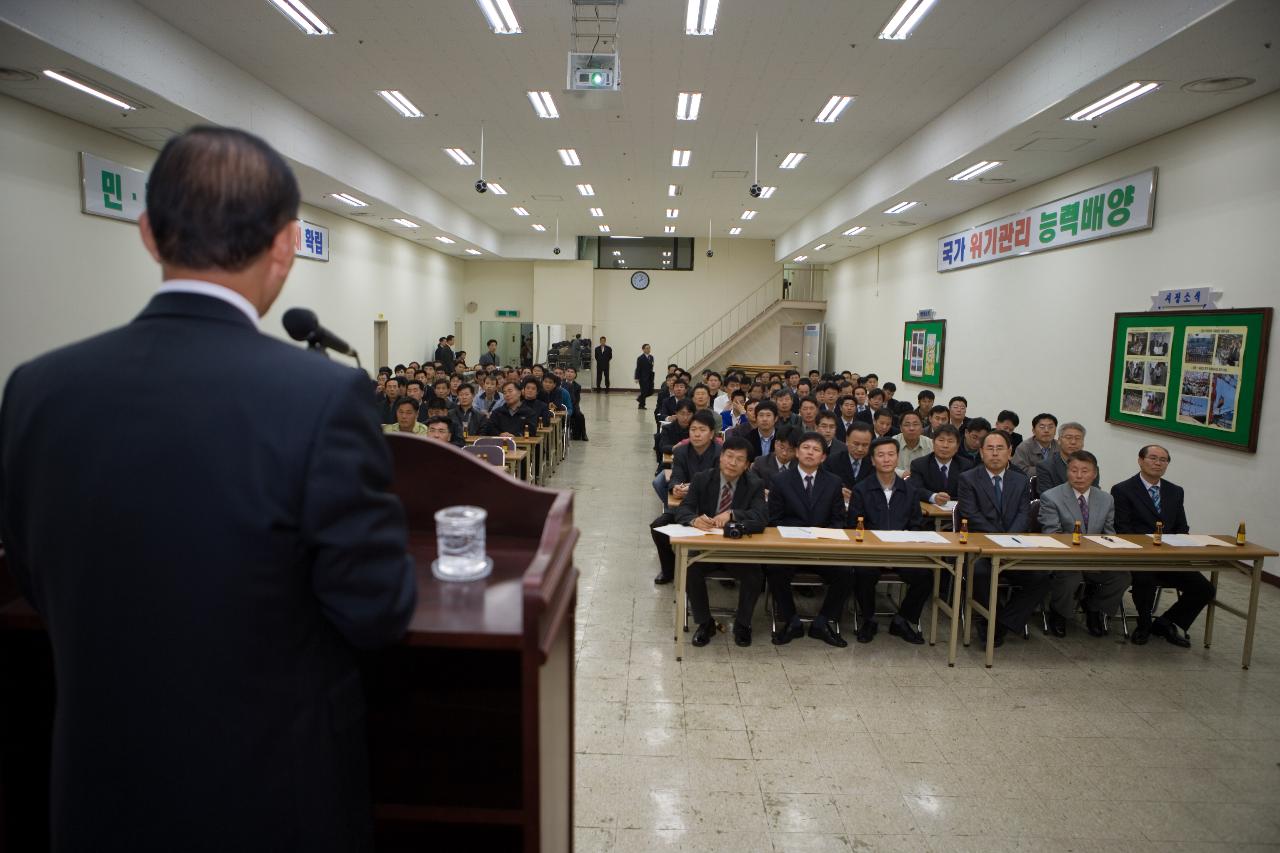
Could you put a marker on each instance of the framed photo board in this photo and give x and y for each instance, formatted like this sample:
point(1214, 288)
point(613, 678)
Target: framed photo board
point(1194, 374)
point(923, 343)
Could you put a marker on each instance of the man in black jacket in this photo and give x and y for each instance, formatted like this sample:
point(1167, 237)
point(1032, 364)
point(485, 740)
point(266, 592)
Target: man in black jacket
point(603, 355)
point(936, 477)
point(512, 417)
point(644, 374)
point(205, 644)
point(529, 391)
point(1141, 501)
point(444, 354)
point(577, 421)
point(465, 420)
point(716, 497)
point(700, 453)
point(854, 465)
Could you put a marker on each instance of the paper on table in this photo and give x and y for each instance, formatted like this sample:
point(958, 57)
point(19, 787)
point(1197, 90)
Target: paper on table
point(1024, 540)
point(1112, 542)
point(1211, 540)
point(836, 533)
point(797, 533)
point(950, 506)
point(927, 536)
point(1178, 540)
point(680, 531)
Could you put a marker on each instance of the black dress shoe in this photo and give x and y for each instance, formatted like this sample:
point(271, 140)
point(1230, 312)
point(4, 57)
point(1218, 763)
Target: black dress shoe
point(1171, 633)
point(662, 578)
point(867, 631)
point(787, 634)
point(826, 635)
point(1094, 622)
point(900, 627)
point(1141, 634)
point(741, 635)
point(706, 633)
point(1057, 624)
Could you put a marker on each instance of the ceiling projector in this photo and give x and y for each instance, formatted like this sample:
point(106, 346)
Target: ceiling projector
point(592, 72)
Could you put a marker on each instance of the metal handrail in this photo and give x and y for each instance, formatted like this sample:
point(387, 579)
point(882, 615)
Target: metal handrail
point(751, 307)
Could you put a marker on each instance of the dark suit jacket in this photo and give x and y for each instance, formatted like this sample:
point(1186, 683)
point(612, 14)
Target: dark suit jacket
point(502, 419)
point(671, 435)
point(1135, 513)
point(473, 423)
point(753, 439)
point(842, 466)
point(686, 463)
point(644, 370)
point(667, 407)
point(1053, 472)
point(766, 468)
point(603, 354)
point(978, 501)
point(704, 499)
point(540, 410)
point(901, 513)
point(445, 356)
point(234, 542)
point(927, 479)
point(789, 507)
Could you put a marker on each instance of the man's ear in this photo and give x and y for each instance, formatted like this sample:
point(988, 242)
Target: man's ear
point(148, 238)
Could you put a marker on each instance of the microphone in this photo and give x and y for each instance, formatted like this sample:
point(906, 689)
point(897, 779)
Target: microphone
point(302, 324)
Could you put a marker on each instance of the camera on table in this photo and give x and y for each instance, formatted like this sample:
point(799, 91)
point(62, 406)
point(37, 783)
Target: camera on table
point(734, 530)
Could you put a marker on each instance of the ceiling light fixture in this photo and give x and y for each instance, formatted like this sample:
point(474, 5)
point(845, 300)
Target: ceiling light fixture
point(680, 158)
point(87, 89)
point(792, 160)
point(700, 17)
point(302, 17)
point(460, 157)
point(673, 213)
point(502, 20)
point(748, 214)
point(406, 223)
point(831, 112)
point(975, 170)
point(905, 19)
point(735, 231)
point(820, 247)
point(767, 192)
point(474, 252)
point(595, 211)
point(585, 189)
point(687, 106)
point(536, 227)
point(604, 229)
point(668, 229)
point(444, 239)
point(855, 230)
point(1119, 97)
point(497, 189)
point(569, 156)
point(400, 103)
point(349, 199)
point(799, 259)
point(519, 211)
point(902, 206)
point(616, 253)
point(543, 105)
point(673, 190)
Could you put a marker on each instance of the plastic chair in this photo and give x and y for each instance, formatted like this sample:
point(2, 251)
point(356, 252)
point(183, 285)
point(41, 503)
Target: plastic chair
point(504, 441)
point(490, 453)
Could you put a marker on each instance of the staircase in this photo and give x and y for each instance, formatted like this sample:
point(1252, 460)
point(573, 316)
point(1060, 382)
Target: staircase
point(764, 303)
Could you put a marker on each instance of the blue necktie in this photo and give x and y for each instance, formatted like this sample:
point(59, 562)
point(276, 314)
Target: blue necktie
point(1084, 510)
point(1155, 496)
point(998, 483)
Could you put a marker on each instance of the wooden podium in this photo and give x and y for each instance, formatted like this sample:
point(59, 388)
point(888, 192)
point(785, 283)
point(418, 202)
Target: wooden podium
point(469, 718)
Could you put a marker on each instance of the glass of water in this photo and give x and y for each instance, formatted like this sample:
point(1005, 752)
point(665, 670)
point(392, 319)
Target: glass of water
point(460, 544)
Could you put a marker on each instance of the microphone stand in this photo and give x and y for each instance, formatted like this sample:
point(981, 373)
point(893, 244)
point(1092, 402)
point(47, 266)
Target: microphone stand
point(314, 345)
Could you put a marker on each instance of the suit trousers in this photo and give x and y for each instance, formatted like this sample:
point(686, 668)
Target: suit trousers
point(839, 581)
point(750, 583)
point(602, 372)
point(1196, 589)
point(1029, 590)
point(646, 390)
point(661, 541)
point(578, 425)
point(919, 587)
point(1104, 597)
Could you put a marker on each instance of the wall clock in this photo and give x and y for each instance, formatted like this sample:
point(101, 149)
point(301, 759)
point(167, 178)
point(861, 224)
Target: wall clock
point(639, 279)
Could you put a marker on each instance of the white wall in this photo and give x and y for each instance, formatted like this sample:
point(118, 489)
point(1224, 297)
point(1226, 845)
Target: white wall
point(68, 275)
point(1034, 333)
point(494, 286)
point(764, 345)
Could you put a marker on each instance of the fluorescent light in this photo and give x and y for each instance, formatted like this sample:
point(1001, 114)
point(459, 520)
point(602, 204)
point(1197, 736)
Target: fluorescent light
point(349, 199)
point(792, 160)
point(820, 247)
point(673, 190)
point(536, 227)
point(668, 229)
point(497, 189)
point(799, 259)
point(666, 254)
point(88, 90)
point(673, 213)
point(585, 189)
point(543, 105)
point(687, 106)
point(975, 170)
point(748, 214)
point(502, 20)
point(444, 239)
point(460, 157)
point(604, 229)
point(767, 192)
point(400, 103)
point(595, 211)
point(735, 231)
point(1120, 96)
point(302, 17)
point(569, 156)
point(905, 19)
point(626, 237)
point(616, 253)
point(902, 206)
point(700, 17)
point(406, 223)
point(474, 252)
point(831, 112)
point(519, 211)
point(855, 230)
point(680, 158)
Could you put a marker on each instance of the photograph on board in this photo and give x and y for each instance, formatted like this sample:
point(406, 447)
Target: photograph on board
point(1222, 411)
point(1193, 410)
point(1137, 344)
point(1199, 349)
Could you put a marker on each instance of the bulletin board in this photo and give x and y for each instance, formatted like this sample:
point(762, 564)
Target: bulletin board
point(923, 345)
point(1194, 374)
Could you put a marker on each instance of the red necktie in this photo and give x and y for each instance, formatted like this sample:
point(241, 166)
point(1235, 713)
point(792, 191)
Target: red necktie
point(726, 499)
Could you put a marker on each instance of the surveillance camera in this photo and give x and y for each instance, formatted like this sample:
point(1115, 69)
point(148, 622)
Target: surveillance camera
point(710, 253)
point(482, 186)
point(556, 250)
point(755, 190)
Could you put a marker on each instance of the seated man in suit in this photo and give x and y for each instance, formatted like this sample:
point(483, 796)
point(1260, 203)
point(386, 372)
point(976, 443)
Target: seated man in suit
point(577, 421)
point(1008, 421)
point(827, 429)
point(785, 402)
point(1041, 446)
point(938, 416)
point(529, 390)
point(1052, 472)
point(912, 443)
point(996, 498)
point(854, 466)
point(669, 436)
point(808, 496)
point(512, 418)
point(391, 392)
point(936, 477)
point(406, 418)
point(971, 437)
point(924, 405)
point(716, 497)
point(809, 408)
point(861, 409)
point(490, 398)
point(439, 428)
point(466, 420)
point(886, 502)
point(700, 453)
point(679, 391)
point(1079, 499)
point(734, 414)
point(782, 458)
point(957, 408)
point(1141, 501)
point(883, 424)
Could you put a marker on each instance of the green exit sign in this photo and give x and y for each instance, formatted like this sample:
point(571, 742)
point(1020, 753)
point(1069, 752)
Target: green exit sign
point(508, 313)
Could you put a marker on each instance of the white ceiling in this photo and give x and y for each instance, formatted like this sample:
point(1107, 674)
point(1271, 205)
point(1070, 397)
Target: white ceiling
point(769, 67)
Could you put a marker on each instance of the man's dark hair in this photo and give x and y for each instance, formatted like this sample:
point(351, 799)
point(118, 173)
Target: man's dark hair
point(686, 406)
point(1146, 448)
point(813, 400)
point(435, 404)
point(786, 434)
point(439, 419)
point(736, 442)
point(791, 373)
point(767, 406)
point(882, 441)
point(552, 378)
point(468, 386)
point(711, 373)
point(1083, 456)
point(401, 367)
point(680, 380)
point(490, 341)
point(527, 381)
point(938, 410)
point(947, 429)
point(217, 197)
point(958, 399)
point(386, 370)
point(872, 376)
point(738, 392)
point(980, 424)
point(413, 382)
point(884, 413)
point(1004, 436)
point(814, 436)
point(448, 338)
point(407, 401)
point(890, 386)
point(393, 380)
point(440, 381)
point(911, 414)
point(1008, 415)
point(925, 395)
point(858, 426)
point(696, 387)
point(826, 416)
point(1045, 416)
point(704, 417)
point(875, 392)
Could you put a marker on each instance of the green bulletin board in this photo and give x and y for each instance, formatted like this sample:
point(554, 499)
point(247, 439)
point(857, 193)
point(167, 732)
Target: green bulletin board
point(922, 351)
point(1194, 374)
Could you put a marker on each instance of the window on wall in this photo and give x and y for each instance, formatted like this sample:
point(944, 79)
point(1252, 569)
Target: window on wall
point(637, 253)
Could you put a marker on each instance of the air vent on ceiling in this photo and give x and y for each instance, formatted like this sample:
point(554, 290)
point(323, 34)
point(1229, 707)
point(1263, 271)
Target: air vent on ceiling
point(995, 180)
point(733, 174)
point(15, 75)
point(360, 213)
point(146, 135)
point(902, 223)
point(1055, 143)
point(547, 198)
point(1214, 85)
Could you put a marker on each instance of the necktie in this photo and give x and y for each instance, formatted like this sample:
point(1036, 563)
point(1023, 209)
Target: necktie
point(857, 463)
point(998, 484)
point(1155, 496)
point(1084, 510)
point(944, 473)
point(726, 498)
point(808, 484)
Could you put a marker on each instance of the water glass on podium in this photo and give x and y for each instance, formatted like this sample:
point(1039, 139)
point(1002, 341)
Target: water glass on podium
point(460, 544)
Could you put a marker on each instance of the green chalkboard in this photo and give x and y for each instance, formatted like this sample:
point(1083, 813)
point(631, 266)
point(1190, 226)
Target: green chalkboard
point(1194, 374)
point(923, 348)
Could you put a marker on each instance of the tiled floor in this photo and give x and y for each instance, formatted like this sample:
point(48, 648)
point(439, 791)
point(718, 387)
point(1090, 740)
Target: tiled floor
point(1065, 745)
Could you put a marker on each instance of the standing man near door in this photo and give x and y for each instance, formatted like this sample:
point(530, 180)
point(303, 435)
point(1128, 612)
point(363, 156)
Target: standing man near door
point(644, 374)
point(603, 355)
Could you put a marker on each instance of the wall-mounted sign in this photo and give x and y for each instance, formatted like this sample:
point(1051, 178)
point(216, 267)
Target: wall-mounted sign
point(1118, 207)
point(924, 314)
point(506, 312)
point(110, 189)
point(313, 241)
point(1186, 299)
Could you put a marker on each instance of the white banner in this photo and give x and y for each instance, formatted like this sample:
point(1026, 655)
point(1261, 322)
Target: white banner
point(110, 189)
point(1118, 207)
point(313, 241)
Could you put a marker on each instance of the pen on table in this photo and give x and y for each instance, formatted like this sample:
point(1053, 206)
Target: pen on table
point(1108, 539)
point(1016, 539)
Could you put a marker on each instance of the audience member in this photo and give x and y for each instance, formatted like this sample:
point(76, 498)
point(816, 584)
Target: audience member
point(768, 466)
point(513, 417)
point(1041, 446)
point(936, 477)
point(406, 415)
point(912, 443)
point(1053, 471)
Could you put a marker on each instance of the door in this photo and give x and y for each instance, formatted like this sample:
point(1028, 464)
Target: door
point(791, 345)
point(381, 345)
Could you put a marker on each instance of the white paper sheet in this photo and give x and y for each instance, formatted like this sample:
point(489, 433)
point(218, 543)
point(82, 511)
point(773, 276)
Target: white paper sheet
point(1191, 540)
point(680, 531)
point(926, 536)
point(1112, 542)
point(950, 506)
point(1211, 541)
point(797, 533)
point(836, 533)
point(1024, 540)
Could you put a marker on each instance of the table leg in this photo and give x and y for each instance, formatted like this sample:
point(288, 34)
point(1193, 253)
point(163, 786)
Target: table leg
point(933, 619)
point(1213, 606)
point(682, 568)
point(968, 610)
point(991, 610)
point(961, 561)
point(1255, 581)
